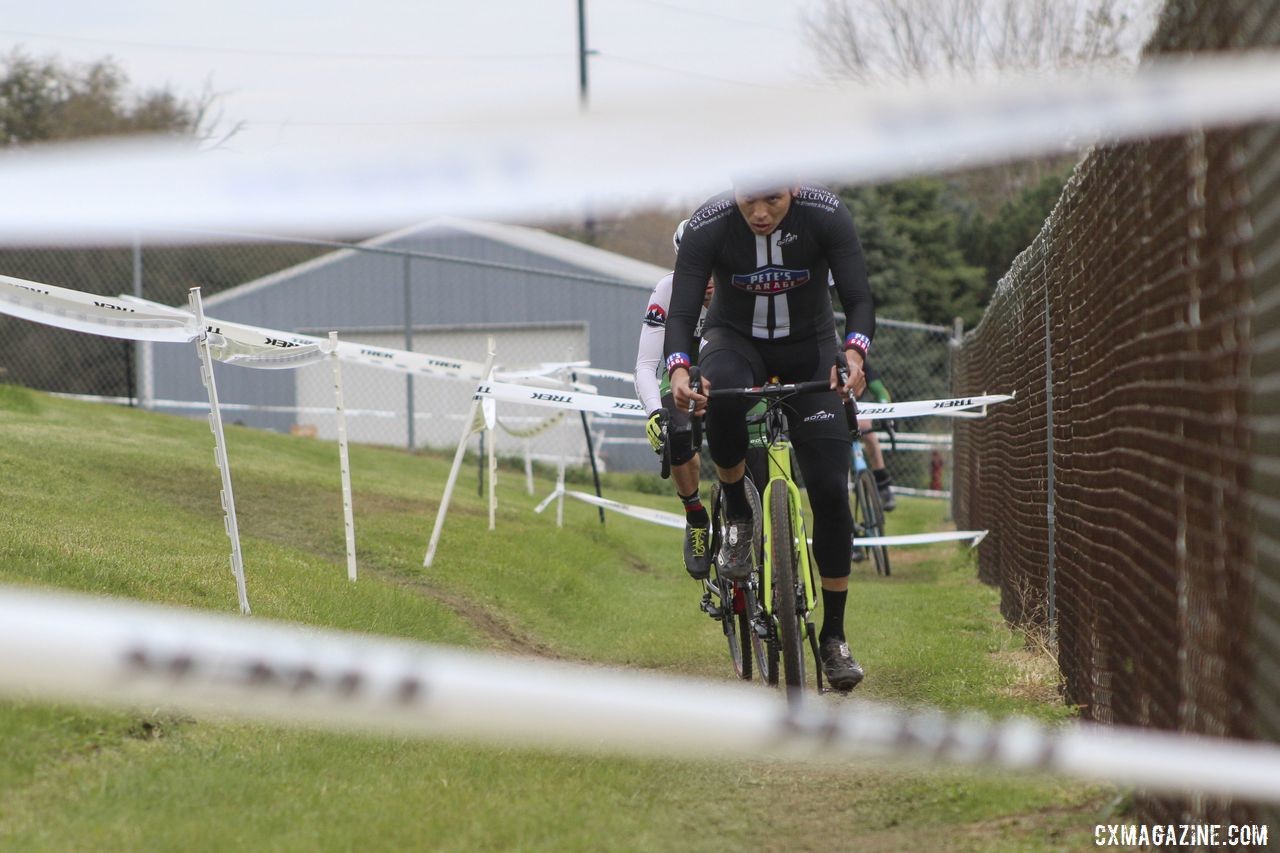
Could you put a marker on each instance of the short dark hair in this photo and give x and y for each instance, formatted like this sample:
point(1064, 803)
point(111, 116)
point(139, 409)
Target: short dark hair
point(758, 183)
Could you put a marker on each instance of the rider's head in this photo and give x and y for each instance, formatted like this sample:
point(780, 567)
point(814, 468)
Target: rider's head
point(711, 282)
point(762, 206)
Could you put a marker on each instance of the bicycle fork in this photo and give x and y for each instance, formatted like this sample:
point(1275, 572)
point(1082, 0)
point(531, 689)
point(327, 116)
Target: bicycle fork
point(764, 623)
point(804, 567)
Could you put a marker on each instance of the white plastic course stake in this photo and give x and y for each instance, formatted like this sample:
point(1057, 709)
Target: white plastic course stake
point(468, 426)
point(219, 448)
point(560, 491)
point(343, 461)
point(528, 467)
point(490, 408)
point(493, 479)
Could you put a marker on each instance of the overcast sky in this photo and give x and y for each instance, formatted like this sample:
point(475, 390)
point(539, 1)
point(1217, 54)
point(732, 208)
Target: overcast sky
point(289, 69)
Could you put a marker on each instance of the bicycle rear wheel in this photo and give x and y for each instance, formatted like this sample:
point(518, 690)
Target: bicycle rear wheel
point(737, 622)
point(868, 518)
point(735, 612)
point(786, 603)
point(764, 646)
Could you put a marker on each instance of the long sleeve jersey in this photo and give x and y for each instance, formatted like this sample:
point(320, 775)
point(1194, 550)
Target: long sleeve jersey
point(770, 287)
point(649, 353)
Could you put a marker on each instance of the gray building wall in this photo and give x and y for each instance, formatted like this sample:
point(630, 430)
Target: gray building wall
point(546, 280)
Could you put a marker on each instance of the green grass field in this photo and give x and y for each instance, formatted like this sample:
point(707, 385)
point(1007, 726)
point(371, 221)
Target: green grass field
point(125, 503)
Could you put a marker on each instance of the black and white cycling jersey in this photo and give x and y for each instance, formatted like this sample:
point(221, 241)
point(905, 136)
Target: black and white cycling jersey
point(770, 288)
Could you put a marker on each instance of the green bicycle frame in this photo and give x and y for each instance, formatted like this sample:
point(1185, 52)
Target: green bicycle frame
point(780, 478)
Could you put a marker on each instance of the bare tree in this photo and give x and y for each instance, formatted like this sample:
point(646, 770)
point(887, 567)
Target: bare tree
point(886, 41)
point(43, 100)
point(902, 40)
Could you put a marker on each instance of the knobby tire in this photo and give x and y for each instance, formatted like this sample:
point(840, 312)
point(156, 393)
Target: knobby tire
point(786, 609)
point(870, 518)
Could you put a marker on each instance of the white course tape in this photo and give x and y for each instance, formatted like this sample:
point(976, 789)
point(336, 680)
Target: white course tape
point(644, 513)
point(921, 408)
point(912, 447)
point(63, 647)
point(961, 413)
point(249, 346)
point(255, 346)
point(97, 315)
point(527, 161)
point(261, 341)
point(595, 403)
point(585, 369)
point(262, 351)
point(937, 439)
point(925, 538)
point(404, 361)
point(676, 521)
point(252, 346)
point(943, 494)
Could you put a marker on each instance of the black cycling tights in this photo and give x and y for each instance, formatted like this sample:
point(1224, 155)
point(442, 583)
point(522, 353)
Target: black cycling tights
point(816, 422)
point(824, 464)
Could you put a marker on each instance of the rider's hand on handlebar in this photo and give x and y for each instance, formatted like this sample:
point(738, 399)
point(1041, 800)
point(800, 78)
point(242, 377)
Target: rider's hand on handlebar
point(682, 393)
point(655, 430)
point(856, 381)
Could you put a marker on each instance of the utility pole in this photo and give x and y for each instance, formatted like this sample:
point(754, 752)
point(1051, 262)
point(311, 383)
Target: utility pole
point(588, 221)
point(582, 54)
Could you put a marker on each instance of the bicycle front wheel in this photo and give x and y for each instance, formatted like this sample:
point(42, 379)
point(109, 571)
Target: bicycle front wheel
point(869, 518)
point(787, 610)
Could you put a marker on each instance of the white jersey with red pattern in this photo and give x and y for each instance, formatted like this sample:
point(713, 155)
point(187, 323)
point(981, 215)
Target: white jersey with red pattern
point(650, 368)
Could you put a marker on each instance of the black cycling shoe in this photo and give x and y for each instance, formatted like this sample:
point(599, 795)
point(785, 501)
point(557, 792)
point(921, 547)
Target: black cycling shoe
point(696, 558)
point(887, 502)
point(734, 560)
point(857, 553)
point(841, 670)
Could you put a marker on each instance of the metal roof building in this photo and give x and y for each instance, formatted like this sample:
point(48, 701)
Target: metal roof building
point(542, 297)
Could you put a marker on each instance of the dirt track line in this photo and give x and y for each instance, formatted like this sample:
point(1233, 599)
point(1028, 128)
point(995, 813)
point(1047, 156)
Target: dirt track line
point(498, 633)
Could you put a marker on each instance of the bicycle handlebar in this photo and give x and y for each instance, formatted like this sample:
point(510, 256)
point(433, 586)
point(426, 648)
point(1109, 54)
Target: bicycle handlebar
point(771, 390)
point(666, 446)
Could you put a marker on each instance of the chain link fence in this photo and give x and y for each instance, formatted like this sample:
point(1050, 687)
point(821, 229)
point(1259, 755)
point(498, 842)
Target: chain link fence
point(1131, 487)
point(913, 360)
point(50, 359)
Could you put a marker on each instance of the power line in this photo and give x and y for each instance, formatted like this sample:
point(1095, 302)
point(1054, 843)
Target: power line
point(640, 63)
point(702, 13)
point(297, 54)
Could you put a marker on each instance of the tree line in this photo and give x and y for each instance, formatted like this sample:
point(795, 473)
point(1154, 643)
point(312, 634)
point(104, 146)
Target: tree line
point(935, 251)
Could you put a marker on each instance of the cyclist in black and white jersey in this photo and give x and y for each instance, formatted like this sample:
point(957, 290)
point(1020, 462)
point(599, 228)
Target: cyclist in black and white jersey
point(770, 250)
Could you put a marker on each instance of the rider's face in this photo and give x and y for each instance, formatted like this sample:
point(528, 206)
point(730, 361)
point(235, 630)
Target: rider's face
point(763, 209)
